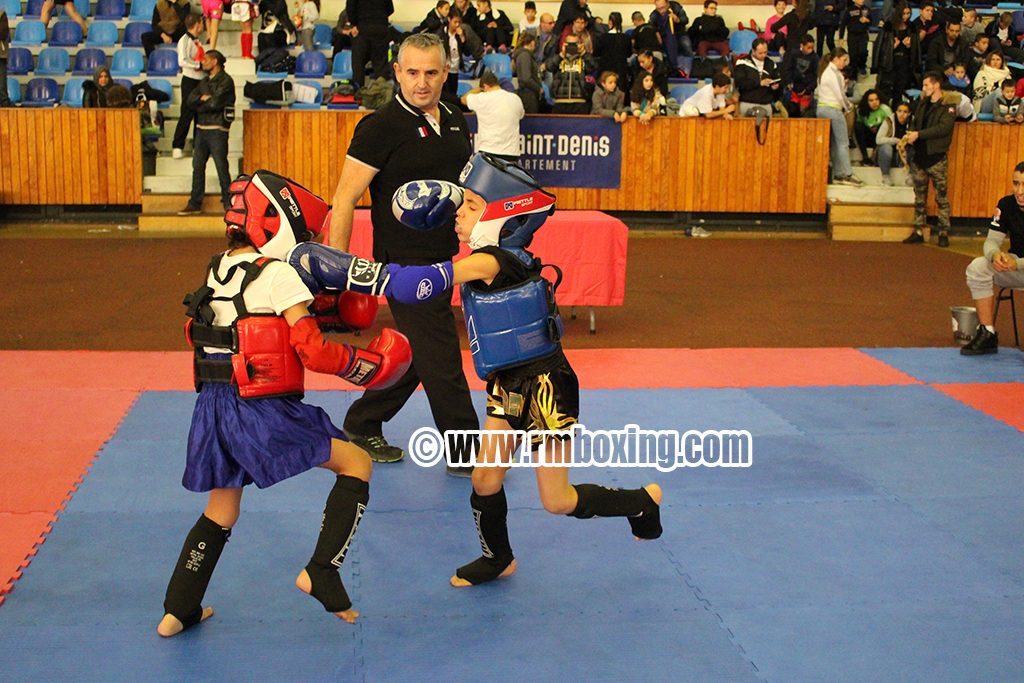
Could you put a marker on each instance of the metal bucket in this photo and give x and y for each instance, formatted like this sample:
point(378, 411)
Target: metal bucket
point(965, 323)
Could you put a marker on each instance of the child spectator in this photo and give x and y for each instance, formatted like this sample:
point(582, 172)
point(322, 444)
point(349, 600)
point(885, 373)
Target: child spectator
point(708, 31)
point(647, 63)
point(305, 22)
point(970, 27)
point(530, 23)
point(527, 71)
point(769, 26)
point(493, 26)
point(647, 100)
point(834, 105)
point(608, 100)
point(710, 101)
point(802, 78)
point(927, 26)
point(1000, 33)
point(977, 54)
point(1008, 108)
point(569, 87)
point(436, 19)
point(959, 80)
point(856, 23)
point(828, 15)
point(889, 134)
point(870, 115)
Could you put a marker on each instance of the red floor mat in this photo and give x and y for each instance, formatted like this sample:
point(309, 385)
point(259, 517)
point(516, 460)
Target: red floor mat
point(1001, 401)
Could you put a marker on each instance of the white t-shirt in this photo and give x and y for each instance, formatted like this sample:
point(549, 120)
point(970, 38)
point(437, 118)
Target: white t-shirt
point(704, 101)
point(530, 26)
point(497, 121)
point(277, 289)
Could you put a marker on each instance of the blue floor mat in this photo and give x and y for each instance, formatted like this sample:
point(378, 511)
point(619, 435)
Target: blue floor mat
point(947, 366)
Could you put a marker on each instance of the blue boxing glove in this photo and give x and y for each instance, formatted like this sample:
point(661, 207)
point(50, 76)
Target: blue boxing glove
point(426, 204)
point(323, 268)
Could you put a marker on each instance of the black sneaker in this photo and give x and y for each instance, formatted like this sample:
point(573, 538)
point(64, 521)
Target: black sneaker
point(983, 342)
point(378, 448)
point(915, 238)
point(943, 239)
point(190, 210)
point(460, 471)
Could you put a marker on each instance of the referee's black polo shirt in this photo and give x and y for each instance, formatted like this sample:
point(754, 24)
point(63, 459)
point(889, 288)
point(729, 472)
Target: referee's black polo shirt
point(398, 141)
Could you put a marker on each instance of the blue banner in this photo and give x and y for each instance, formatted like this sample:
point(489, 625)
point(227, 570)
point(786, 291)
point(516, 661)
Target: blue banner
point(570, 151)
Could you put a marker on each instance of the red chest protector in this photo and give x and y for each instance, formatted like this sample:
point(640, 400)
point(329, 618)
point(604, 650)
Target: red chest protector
point(263, 363)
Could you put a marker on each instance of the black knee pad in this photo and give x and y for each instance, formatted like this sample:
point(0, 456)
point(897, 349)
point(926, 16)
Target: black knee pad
point(191, 576)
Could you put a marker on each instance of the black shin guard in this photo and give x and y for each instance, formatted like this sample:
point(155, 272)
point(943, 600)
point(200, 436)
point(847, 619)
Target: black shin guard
point(490, 514)
point(636, 505)
point(344, 508)
point(192, 573)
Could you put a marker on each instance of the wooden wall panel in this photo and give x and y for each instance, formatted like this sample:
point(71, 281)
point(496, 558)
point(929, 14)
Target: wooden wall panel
point(672, 164)
point(70, 156)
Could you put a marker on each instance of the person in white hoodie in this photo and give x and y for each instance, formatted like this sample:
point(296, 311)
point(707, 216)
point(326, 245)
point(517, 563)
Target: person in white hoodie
point(190, 57)
point(833, 104)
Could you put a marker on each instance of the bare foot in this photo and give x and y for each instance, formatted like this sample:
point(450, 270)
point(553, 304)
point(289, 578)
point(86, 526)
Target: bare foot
point(305, 584)
point(170, 626)
point(462, 583)
point(654, 491)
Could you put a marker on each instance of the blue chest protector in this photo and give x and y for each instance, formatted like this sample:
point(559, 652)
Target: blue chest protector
point(514, 325)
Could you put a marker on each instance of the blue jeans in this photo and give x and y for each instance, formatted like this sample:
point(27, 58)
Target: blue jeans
point(210, 143)
point(888, 159)
point(839, 149)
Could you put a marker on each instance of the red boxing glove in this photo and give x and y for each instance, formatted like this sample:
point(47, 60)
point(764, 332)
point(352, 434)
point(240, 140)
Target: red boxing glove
point(384, 362)
point(344, 311)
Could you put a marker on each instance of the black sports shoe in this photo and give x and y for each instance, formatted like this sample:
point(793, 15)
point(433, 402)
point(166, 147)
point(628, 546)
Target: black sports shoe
point(378, 448)
point(943, 239)
point(190, 210)
point(982, 343)
point(460, 471)
point(915, 238)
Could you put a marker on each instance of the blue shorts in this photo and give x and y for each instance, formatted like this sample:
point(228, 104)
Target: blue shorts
point(233, 442)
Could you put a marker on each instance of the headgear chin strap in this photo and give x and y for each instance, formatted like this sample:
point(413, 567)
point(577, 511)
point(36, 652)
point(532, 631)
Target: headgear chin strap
point(516, 204)
point(275, 213)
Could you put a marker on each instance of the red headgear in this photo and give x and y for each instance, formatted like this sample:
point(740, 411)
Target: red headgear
point(275, 213)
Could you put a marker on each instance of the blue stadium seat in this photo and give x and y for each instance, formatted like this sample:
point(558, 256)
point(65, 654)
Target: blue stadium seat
point(680, 92)
point(110, 10)
point(19, 61)
point(12, 7)
point(685, 64)
point(73, 94)
point(498, 64)
point(127, 62)
point(311, 65)
point(740, 42)
point(53, 61)
point(66, 34)
point(29, 33)
point(912, 93)
point(342, 69)
point(13, 89)
point(41, 92)
point(163, 86)
point(125, 82)
point(464, 87)
point(142, 10)
point(34, 8)
point(310, 105)
point(133, 33)
point(102, 34)
point(987, 116)
point(163, 62)
point(87, 60)
point(322, 36)
point(83, 6)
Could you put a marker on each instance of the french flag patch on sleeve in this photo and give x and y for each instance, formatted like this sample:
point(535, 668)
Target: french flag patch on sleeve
point(422, 130)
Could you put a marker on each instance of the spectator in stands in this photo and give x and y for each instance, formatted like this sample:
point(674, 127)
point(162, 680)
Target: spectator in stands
point(462, 42)
point(708, 31)
point(647, 63)
point(792, 27)
point(370, 39)
point(997, 268)
point(608, 100)
point(709, 101)
point(213, 100)
point(670, 20)
point(931, 131)
point(94, 92)
point(190, 55)
point(341, 35)
point(530, 23)
point(828, 14)
point(569, 10)
point(769, 26)
point(245, 12)
point(897, 54)
point(757, 79)
point(493, 26)
point(992, 73)
point(960, 81)
point(1001, 37)
point(613, 49)
point(970, 27)
point(527, 70)
point(168, 24)
point(498, 113)
point(547, 39)
point(871, 113)
point(833, 104)
point(732, 95)
point(977, 54)
point(119, 97)
point(801, 79)
point(927, 26)
point(855, 22)
point(946, 51)
point(305, 22)
point(643, 36)
point(5, 44)
point(569, 68)
point(578, 28)
point(646, 99)
point(467, 11)
point(436, 20)
point(69, 10)
point(1008, 108)
point(277, 30)
point(889, 134)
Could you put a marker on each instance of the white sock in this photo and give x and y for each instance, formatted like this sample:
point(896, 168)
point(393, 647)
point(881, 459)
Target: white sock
point(991, 328)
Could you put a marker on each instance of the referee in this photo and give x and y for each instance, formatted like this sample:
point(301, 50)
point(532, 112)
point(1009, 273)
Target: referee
point(413, 137)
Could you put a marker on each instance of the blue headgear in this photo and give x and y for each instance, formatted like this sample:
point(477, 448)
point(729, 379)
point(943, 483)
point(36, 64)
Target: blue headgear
point(516, 204)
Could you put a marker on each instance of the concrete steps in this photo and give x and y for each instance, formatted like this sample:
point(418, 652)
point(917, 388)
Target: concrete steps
point(871, 221)
point(160, 214)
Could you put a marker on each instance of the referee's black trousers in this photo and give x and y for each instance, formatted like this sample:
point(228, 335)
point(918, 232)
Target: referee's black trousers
point(436, 362)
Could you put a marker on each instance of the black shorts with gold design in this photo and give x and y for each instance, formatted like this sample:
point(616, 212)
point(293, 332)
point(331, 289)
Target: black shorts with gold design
point(546, 401)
